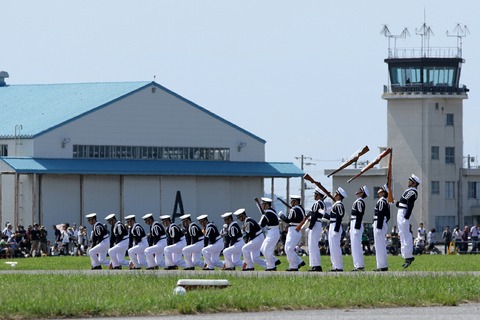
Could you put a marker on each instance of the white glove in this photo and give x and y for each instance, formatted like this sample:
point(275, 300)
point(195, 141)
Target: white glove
point(307, 230)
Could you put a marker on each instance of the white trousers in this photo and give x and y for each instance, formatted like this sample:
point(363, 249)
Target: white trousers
point(117, 254)
point(211, 254)
point(406, 238)
point(268, 247)
point(313, 249)
point(232, 255)
point(192, 254)
point(154, 254)
point(356, 245)
point(251, 252)
point(334, 243)
point(380, 241)
point(137, 253)
point(173, 254)
point(98, 254)
point(293, 238)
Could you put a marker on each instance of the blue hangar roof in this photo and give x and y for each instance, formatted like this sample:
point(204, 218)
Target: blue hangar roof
point(153, 167)
point(40, 108)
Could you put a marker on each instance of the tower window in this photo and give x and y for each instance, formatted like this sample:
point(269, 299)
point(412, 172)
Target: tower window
point(3, 150)
point(435, 153)
point(450, 155)
point(449, 119)
point(435, 187)
point(472, 190)
point(449, 190)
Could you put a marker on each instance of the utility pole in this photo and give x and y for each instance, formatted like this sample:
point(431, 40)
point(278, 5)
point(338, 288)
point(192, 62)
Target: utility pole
point(302, 159)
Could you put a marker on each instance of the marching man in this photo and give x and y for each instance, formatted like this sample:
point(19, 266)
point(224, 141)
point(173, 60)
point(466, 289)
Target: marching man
point(100, 242)
point(119, 235)
point(175, 244)
point(356, 228)
point(270, 221)
point(154, 253)
point(295, 216)
point(315, 230)
point(192, 252)
point(380, 219)
point(214, 244)
point(335, 230)
point(137, 252)
point(254, 238)
point(233, 242)
point(405, 208)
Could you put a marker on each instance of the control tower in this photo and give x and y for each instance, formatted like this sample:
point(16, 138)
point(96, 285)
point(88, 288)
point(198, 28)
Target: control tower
point(425, 123)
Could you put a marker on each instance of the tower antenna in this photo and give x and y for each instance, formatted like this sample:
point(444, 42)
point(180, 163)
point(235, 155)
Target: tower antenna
point(425, 32)
point(386, 32)
point(459, 32)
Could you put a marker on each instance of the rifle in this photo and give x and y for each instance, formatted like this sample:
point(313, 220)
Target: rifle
point(318, 184)
point(286, 204)
point(390, 180)
point(372, 164)
point(259, 206)
point(354, 157)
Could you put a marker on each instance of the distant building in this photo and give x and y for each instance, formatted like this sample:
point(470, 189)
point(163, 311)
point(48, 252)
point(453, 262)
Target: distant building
point(127, 148)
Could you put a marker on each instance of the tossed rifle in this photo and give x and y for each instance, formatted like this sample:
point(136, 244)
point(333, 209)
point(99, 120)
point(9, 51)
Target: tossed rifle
point(372, 164)
point(390, 198)
point(353, 158)
point(321, 187)
point(286, 204)
point(259, 206)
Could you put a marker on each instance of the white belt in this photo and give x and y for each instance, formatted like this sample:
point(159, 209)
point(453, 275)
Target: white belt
point(272, 227)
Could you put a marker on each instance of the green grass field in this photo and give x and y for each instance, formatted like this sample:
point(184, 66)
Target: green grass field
point(89, 294)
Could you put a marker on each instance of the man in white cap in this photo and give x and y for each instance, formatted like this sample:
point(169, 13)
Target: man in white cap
point(233, 243)
point(139, 237)
point(270, 221)
point(293, 219)
point(356, 228)
point(119, 235)
point(315, 230)
point(335, 230)
point(213, 244)
point(158, 242)
point(192, 252)
point(253, 241)
point(405, 208)
point(380, 220)
point(175, 243)
point(100, 242)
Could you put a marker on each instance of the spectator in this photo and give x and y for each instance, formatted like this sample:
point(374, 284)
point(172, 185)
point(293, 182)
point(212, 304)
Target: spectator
point(65, 240)
point(366, 240)
point(35, 241)
point(8, 230)
point(394, 241)
point(474, 237)
point(431, 242)
point(447, 238)
point(57, 233)
point(421, 232)
point(457, 238)
point(465, 235)
point(5, 250)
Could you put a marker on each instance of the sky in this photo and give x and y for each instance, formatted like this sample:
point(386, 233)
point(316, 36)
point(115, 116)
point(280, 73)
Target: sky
point(306, 76)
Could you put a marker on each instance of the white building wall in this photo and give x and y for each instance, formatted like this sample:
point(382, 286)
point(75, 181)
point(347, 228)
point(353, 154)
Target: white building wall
point(141, 196)
point(101, 194)
point(8, 199)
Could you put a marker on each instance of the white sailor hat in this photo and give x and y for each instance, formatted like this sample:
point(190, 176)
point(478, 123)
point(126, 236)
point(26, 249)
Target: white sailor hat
point(383, 188)
point(295, 197)
point(265, 199)
point(364, 189)
point(341, 192)
point(239, 212)
point(165, 217)
point(91, 215)
point(319, 191)
point(226, 215)
point(415, 179)
point(132, 216)
point(201, 217)
point(148, 215)
point(110, 216)
point(185, 216)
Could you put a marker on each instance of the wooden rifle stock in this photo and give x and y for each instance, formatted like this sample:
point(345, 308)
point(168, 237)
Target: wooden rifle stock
point(286, 204)
point(372, 164)
point(354, 157)
point(300, 225)
point(318, 184)
point(259, 206)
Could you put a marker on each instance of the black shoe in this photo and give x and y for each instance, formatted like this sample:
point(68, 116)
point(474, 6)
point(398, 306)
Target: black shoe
point(358, 269)
point(208, 269)
point(117, 268)
point(189, 268)
point(291, 269)
point(229, 269)
point(272, 269)
point(136, 268)
point(301, 264)
point(380, 269)
point(97, 268)
point(248, 269)
point(336, 270)
point(408, 262)
point(152, 268)
point(171, 268)
point(278, 262)
point(315, 269)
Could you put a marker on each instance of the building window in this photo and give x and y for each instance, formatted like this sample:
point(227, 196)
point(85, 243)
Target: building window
point(435, 152)
point(3, 150)
point(450, 190)
point(472, 190)
point(450, 155)
point(435, 188)
point(449, 119)
point(155, 153)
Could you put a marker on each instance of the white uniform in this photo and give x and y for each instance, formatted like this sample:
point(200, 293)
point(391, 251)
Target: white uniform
point(356, 231)
point(215, 245)
point(315, 227)
point(100, 246)
point(335, 235)
point(270, 221)
point(234, 242)
point(154, 253)
point(295, 216)
point(195, 243)
point(381, 217)
point(137, 252)
point(173, 251)
point(405, 207)
point(251, 249)
point(117, 252)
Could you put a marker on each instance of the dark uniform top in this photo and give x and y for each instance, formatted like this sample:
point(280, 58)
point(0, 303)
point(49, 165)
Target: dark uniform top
point(119, 233)
point(252, 229)
point(99, 233)
point(157, 232)
point(193, 234)
point(295, 216)
point(269, 219)
point(138, 233)
point(336, 215)
point(358, 210)
point(408, 200)
point(174, 234)
point(211, 234)
point(382, 212)
point(317, 213)
point(234, 234)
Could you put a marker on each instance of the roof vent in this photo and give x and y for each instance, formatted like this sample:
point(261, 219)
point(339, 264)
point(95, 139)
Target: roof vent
point(3, 75)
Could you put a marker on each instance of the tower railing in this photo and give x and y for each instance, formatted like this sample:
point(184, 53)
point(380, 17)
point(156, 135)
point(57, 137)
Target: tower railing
point(431, 52)
point(424, 88)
